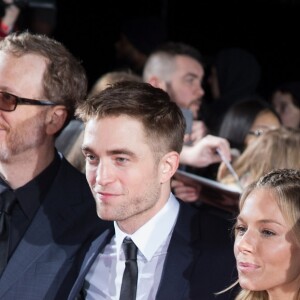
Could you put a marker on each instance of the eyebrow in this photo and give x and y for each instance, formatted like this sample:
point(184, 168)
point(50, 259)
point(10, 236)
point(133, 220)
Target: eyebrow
point(190, 74)
point(112, 152)
point(263, 221)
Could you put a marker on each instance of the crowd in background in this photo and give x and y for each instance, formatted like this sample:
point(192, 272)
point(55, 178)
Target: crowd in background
point(217, 117)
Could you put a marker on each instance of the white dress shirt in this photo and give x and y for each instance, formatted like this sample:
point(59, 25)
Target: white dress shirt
point(104, 279)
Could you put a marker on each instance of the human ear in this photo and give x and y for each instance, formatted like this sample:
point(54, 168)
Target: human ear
point(156, 82)
point(168, 166)
point(55, 119)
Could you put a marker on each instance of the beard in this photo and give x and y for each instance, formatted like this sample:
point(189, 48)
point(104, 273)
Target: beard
point(192, 105)
point(26, 135)
point(132, 207)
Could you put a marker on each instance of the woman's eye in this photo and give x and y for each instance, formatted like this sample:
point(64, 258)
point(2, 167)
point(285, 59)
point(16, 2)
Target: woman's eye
point(240, 230)
point(267, 233)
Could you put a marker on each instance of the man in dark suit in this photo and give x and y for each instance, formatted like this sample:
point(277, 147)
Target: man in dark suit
point(51, 218)
point(132, 141)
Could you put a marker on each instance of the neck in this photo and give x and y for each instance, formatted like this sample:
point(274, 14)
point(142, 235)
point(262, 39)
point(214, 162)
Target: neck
point(22, 168)
point(133, 223)
point(289, 294)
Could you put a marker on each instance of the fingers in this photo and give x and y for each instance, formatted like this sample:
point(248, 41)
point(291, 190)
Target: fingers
point(185, 192)
point(199, 130)
point(213, 143)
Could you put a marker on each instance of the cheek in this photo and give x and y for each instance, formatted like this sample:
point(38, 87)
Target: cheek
point(278, 256)
point(90, 175)
point(235, 248)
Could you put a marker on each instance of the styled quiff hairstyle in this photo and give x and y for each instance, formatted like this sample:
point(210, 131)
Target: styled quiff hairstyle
point(64, 79)
point(163, 121)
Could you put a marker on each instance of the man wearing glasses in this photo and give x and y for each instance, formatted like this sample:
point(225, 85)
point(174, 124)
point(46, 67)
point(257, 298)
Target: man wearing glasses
point(47, 213)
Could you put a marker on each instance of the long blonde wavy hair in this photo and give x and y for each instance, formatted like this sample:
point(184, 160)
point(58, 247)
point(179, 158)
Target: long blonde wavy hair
point(275, 149)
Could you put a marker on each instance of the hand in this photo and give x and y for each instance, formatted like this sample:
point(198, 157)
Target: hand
point(185, 192)
point(199, 130)
point(203, 152)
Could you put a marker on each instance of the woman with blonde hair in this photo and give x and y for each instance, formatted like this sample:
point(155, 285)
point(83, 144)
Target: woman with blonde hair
point(275, 149)
point(267, 238)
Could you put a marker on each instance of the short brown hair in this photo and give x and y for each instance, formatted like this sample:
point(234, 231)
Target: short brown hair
point(162, 119)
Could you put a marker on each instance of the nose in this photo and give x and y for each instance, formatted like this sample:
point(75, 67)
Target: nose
point(199, 91)
point(246, 242)
point(104, 174)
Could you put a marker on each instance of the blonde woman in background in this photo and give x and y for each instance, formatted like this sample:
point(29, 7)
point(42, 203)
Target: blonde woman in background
point(111, 77)
point(275, 149)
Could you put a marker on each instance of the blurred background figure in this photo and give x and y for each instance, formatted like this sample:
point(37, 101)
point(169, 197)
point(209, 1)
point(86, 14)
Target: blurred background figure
point(286, 101)
point(138, 37)
point(9, 13)
point(111, 77)
point(38, 16)
point(234, 74)
point(274, 149)
point(177, 68)
point(246, 120)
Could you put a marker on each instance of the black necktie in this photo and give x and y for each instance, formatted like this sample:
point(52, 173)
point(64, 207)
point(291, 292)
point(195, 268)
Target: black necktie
point(130, 276)
point(7, 201)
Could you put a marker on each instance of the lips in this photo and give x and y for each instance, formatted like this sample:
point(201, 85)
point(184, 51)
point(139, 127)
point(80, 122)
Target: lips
point(105, 196)
point(247, 267)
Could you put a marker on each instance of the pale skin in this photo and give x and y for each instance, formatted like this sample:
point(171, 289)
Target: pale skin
point(184, 84)
point(266, 252)
point(26, 134)
point(129, 184)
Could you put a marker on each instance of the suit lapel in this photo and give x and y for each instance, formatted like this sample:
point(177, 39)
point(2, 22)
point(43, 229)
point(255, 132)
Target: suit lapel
point(96, 247)
point(37, 239)
point(181, 255)
point(48, 225)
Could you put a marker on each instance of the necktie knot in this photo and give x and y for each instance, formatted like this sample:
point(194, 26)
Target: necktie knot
point(130, 249)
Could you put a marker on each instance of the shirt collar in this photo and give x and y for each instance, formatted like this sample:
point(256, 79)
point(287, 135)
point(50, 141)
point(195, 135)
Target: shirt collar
point(30, 195)
point(153, 234)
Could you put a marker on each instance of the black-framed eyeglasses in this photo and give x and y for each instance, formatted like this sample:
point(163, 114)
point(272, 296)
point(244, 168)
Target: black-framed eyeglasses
point(257, 132)
point(9, 102)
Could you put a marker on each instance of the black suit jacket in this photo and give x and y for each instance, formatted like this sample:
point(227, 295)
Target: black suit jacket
point(199, 261)
point(44, 264)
